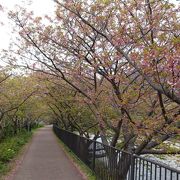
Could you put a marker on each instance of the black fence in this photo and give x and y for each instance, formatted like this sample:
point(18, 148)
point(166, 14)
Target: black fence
point(109, 163)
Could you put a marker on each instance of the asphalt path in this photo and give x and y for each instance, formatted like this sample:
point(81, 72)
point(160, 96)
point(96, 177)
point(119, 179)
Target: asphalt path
point(45, 160)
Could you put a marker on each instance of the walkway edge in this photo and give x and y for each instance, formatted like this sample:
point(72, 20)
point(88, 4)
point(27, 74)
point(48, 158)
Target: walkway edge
point(74, 163)
point(17, 161)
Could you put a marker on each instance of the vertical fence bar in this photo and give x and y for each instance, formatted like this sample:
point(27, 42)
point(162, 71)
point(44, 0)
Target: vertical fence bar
point(139, 174)
point(143, 170)
point(94, 155)
point(136, 171)
point(132, 166)
point(171, 175)
point(151, 171)
point(160, 174)
point(155, 172)
point(147, 170)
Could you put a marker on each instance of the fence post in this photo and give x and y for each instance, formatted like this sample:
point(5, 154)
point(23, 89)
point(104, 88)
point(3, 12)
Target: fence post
point(132, 166)
point(94, 155)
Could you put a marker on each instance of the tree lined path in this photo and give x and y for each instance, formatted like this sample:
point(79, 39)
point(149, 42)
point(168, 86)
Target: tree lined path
point(45, 160)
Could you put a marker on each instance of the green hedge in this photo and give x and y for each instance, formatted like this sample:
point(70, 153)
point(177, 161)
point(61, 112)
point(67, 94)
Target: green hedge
point(10, 147)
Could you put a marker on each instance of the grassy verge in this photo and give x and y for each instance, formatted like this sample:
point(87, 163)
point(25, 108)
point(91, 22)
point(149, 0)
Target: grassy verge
point(83, 168)
point(10, 148)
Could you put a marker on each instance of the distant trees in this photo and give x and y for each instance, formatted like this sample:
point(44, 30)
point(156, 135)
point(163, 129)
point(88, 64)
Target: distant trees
point(19, 103)
point(69, 109)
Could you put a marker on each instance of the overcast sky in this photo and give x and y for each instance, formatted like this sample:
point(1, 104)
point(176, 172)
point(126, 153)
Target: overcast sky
point(40, 7)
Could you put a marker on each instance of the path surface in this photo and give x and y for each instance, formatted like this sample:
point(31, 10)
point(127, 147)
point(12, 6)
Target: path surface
point(45, 160)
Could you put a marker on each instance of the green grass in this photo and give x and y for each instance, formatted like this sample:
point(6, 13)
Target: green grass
point(9, 149)
point(83, 168)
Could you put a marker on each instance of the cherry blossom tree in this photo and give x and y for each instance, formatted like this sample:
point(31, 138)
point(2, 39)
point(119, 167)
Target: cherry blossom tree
point(120, 57)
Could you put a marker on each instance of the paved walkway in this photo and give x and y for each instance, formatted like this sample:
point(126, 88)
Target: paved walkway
point(45, 160)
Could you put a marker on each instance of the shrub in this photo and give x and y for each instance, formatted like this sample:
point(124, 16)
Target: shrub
point(10, 146)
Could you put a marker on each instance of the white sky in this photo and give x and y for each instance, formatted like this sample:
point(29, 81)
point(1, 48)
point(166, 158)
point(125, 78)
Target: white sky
point(40, 7)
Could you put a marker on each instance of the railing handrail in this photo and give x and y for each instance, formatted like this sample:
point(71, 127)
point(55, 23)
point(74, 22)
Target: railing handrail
point(157, 163)
point(135, 155)
point(108, 162)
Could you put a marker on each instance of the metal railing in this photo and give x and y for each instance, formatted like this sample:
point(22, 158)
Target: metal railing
point(109, 163)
